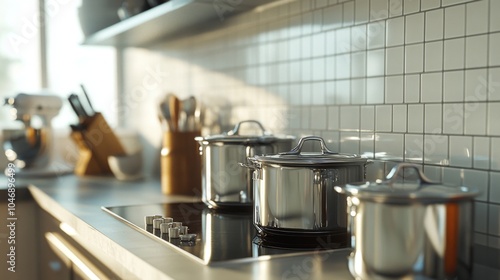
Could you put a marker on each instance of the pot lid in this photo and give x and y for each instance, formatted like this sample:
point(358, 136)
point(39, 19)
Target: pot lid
point(233, 136)
point(395, 190)
point(296, 157)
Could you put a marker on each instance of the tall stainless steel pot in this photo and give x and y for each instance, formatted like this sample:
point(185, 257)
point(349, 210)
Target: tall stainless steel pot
point(410, 230)
point(294, 191)
point(224, 182)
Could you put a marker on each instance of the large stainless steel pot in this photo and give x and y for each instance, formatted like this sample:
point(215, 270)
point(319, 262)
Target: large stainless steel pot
point(410, 230)
point(224, 182)
point(294, 191)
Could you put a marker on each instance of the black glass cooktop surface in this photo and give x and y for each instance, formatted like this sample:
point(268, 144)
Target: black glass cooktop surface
point(216, 236)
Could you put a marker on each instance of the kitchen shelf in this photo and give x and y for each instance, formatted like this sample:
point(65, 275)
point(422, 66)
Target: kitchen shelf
point(174, 18)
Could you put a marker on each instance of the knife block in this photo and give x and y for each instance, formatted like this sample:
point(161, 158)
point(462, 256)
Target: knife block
point(180, 163)
point(95, 141)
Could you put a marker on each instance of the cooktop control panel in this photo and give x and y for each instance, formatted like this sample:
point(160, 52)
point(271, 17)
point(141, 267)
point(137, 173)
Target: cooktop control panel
point(208, 235)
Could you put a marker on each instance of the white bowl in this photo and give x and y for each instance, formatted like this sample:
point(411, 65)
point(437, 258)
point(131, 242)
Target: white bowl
point(126, 167)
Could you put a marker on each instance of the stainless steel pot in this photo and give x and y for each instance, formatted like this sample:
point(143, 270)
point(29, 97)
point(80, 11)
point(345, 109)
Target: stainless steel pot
point(410, 230)
point(294, 191)
point(224, 182)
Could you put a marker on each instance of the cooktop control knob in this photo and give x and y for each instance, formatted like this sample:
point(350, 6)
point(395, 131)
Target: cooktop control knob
point(173, 233)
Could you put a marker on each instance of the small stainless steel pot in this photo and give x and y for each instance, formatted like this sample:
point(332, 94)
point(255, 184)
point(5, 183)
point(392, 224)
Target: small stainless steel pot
point(224, 182)
point(410, 230)
point(294, 191)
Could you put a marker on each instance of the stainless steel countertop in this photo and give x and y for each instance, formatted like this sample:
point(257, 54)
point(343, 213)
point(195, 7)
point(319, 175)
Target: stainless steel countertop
point(133, 255)
point(77, 202)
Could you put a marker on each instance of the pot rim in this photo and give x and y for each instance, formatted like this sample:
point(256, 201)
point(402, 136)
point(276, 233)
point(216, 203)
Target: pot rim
point(393, 191)
point(296, 157)
point(233, 136)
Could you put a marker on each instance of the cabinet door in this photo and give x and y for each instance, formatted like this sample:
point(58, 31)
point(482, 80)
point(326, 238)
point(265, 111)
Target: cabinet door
point(63, 258)
point(52, 265)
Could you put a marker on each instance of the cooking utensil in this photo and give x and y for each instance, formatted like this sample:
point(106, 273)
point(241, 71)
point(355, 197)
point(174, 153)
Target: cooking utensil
point(294, 191)
point(164, 112)
point(174, 105)
point(189, 107)
point(225, 183)
point(90, 110)
point(77, 106)
point(410, 229)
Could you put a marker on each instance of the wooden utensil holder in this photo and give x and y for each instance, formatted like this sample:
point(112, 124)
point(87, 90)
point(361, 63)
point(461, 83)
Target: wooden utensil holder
point(180, 164)
point(96, 142)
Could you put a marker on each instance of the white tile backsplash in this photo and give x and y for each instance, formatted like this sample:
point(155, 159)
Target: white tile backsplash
point(395, 8)
point(477, 11)
point(416, 118)
point(349, 142)
point(432, 88)
point(475, 118)
point(433, 115)
point(394, 60)
point(379, 9)
point(476, 51)
point(361, 11)
point(494, 46)
point(454, 53)
point(454, 23)
point(494, 119)
point(436, 149)
point(412, 89)
point(375, 63)
point(350, 118)
point(453, 86)
point(414, 58)
point(383, 118)
point(395, 33)
point(389, 146)
point(494, 195)
point(399, 118)
point(476, 85)
point(414, 28)
point(494, 19)
point(493, 84)
point(429, 4)
point(394, 89)
point(495, 154)
point(333, 118)
point(376, 35)
point(414, 144)
point(412, 80)
point(453, 118)
point(461, 151)
point(480, 212)
point(494, 219)
point(358, 91)
point(434, 22)
point(478, 179)
point(375, 90)
point(367, 118)
point(434, 56)
point(481, 153)
point(411, 6)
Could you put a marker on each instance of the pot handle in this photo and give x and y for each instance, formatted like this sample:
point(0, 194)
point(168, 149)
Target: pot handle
point(398, 169)
point(236, 129)
point(250, 164)
point(298, 149)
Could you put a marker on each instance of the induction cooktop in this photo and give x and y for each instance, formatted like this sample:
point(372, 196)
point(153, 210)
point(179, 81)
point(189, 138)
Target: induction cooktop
point(215, 236)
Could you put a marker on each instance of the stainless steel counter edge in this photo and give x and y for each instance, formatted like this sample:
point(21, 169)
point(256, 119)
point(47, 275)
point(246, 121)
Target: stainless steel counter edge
point(133, 255)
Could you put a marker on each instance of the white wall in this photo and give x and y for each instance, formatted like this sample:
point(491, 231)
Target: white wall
point(395, 80)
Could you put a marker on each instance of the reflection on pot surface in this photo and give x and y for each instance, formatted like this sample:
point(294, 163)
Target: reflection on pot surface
point(294, 191)
point(415, 231)
point(224, 182)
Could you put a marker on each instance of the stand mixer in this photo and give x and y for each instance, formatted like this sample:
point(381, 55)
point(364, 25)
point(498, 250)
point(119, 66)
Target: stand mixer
point(30, 147)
